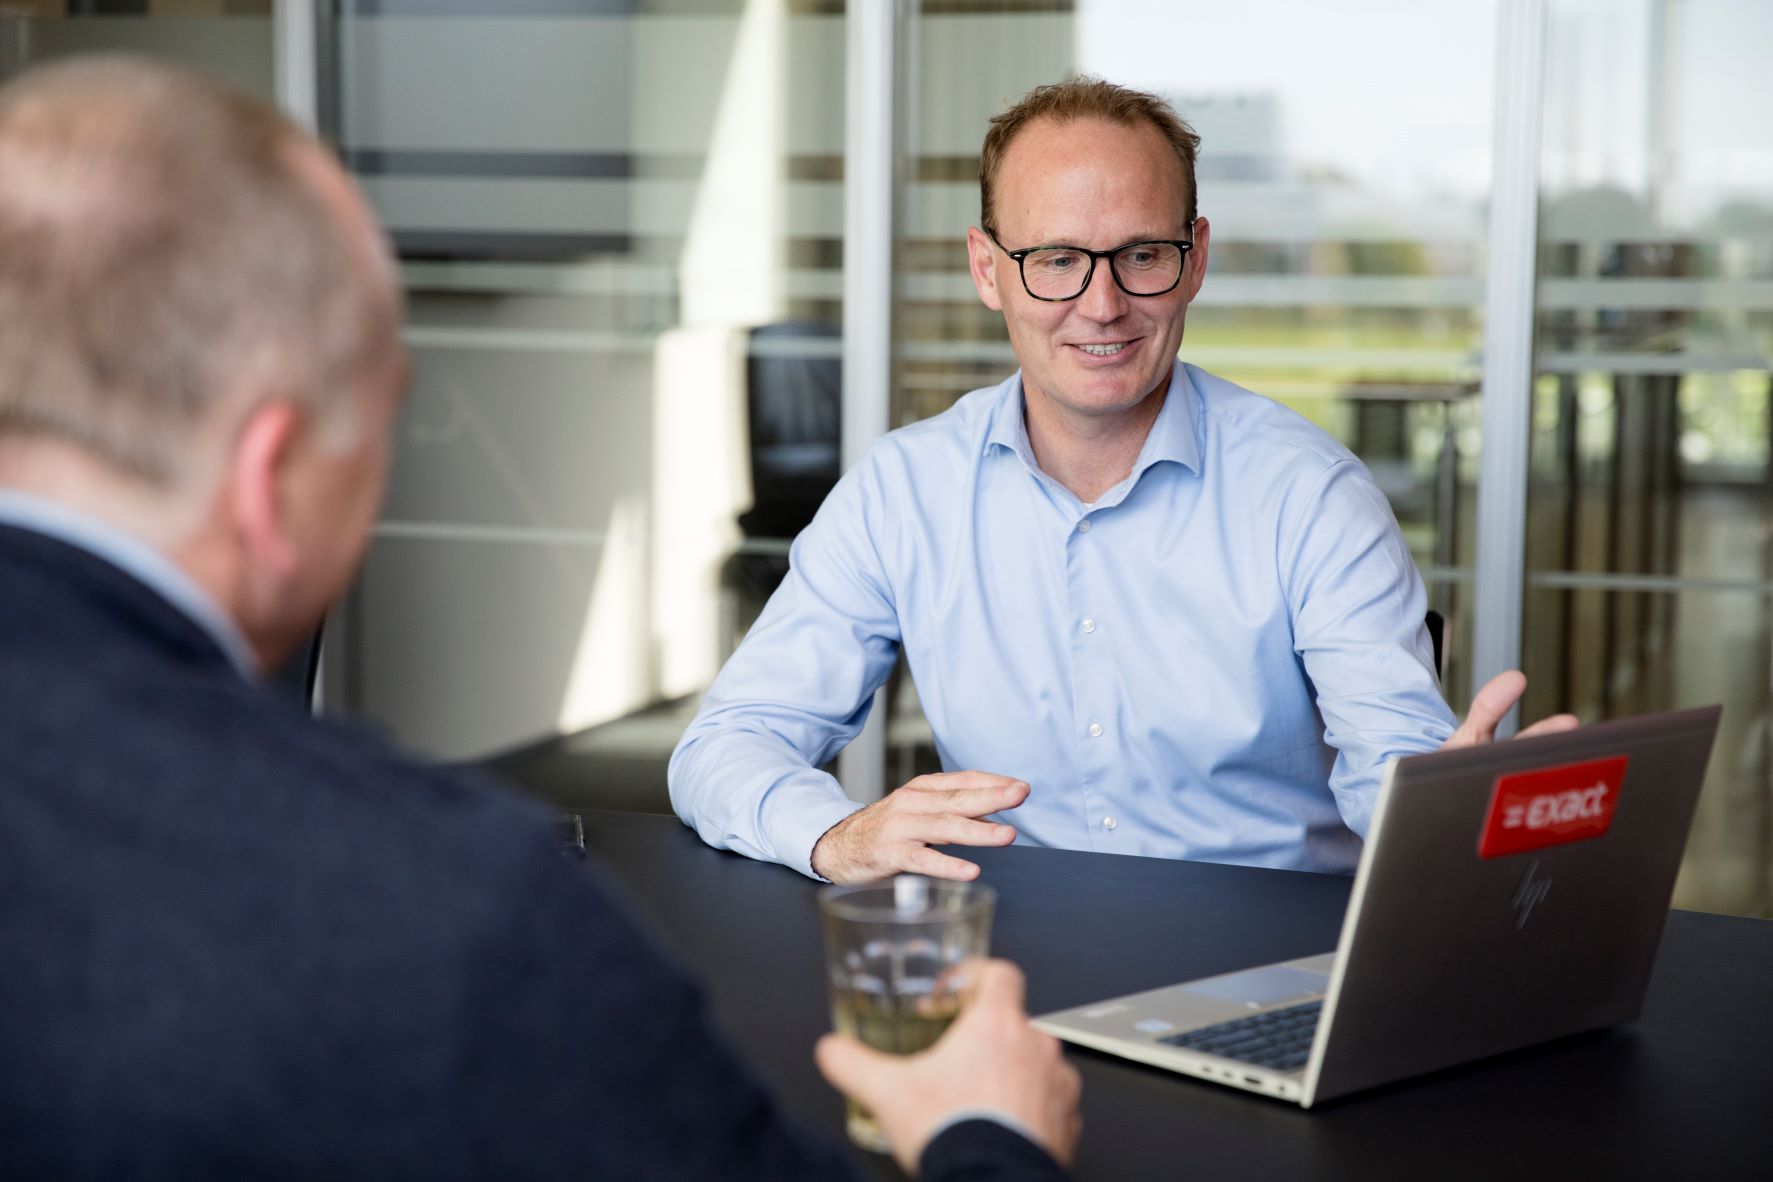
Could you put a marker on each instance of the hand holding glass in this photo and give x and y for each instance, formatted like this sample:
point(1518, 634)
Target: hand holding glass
point(896, 955)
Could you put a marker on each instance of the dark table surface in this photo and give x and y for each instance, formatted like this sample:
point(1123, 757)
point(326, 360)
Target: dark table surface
point(1685, 1092)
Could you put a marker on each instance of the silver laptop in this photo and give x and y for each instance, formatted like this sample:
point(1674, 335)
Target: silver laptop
point(1508, 894)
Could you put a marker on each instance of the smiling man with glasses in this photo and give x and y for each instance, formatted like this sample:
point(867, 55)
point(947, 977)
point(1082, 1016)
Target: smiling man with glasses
point(1150, 611)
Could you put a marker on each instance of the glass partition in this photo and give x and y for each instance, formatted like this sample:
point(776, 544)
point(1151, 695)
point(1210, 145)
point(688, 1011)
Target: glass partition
point(619, 228)
point(1648, 549)
point(228, 39)
point(1348, 228)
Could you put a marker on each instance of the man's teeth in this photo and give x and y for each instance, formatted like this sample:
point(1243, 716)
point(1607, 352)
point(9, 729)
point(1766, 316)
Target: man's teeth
point(1103, 350)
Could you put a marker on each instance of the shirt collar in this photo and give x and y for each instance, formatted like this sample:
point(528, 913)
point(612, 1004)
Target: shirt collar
point(135, 558)
point(1173, 436)
point(1009, 422)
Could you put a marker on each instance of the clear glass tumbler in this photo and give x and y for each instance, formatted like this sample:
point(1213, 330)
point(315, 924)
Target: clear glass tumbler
point(896, 955)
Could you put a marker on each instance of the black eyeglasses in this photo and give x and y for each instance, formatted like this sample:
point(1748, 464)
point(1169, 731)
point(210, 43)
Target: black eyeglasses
point(1059, 273)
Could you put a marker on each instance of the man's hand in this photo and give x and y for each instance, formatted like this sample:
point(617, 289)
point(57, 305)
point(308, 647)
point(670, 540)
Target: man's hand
point(1496, 699)
point(991, 1058)
point(895, 833)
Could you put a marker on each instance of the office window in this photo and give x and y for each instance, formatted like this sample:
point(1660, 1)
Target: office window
point(228, 39)
point(1648, 548)
point(1348, 229)
point(619, 227)
point(621, 231)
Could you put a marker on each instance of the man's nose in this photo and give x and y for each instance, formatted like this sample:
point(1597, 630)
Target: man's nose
point(1102, 299)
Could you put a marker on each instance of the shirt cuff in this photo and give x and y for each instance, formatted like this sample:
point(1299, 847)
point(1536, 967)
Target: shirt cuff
point(802, 822)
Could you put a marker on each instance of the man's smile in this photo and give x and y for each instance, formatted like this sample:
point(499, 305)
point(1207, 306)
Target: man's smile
point(1105, 350)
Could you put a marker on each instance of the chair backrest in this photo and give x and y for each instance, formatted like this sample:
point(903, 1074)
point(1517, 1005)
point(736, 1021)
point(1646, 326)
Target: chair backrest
point(794, 395)
point(1437, 626)
point(299, 675)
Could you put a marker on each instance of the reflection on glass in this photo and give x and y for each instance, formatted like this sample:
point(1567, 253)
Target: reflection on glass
point(226, 39)
point(1648, 544)
point(620, 233)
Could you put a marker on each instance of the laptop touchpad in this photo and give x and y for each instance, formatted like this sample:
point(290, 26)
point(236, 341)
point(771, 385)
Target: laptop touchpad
point(1263, 987)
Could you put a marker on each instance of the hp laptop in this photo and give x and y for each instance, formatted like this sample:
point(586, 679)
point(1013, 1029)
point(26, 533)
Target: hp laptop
point(1508, 894)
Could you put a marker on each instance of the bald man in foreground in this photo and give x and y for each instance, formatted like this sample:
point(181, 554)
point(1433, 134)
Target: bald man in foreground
point(237, 942)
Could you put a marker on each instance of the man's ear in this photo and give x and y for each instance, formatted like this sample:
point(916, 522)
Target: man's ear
point(982, 264)
point(258, 496)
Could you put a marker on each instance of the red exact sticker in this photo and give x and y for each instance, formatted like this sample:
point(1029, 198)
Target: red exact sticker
point(1552, 806)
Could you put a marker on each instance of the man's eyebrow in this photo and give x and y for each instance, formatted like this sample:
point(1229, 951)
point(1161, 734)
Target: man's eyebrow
point(1056, 244)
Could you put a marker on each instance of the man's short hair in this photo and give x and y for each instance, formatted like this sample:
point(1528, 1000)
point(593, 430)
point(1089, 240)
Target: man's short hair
point(160, 246)
point(1083, 97)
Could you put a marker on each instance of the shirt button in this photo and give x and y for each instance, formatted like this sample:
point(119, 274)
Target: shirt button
point(1109, 822)
point(1083, 527)
point(1089, 625)
point(1095, 730)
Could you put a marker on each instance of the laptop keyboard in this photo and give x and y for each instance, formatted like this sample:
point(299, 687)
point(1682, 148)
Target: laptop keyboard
point(1278, 1039)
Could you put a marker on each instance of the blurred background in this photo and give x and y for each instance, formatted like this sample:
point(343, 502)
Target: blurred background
point(624, 227)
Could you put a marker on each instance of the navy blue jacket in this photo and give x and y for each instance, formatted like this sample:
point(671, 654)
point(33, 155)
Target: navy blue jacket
point(237, 942)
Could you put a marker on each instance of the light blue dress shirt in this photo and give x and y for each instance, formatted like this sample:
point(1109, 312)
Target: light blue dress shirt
point(1213, 661)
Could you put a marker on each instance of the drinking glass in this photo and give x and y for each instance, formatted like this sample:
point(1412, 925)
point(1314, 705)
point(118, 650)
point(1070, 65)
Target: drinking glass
point(896, 955)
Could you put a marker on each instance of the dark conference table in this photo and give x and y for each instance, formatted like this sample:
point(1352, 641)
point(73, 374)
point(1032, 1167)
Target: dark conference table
point(1686, 1092)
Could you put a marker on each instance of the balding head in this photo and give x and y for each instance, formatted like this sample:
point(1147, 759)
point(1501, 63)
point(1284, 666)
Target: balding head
point(171, 254)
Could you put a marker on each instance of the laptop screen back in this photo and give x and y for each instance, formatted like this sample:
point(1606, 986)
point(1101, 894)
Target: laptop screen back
point(1496, 908)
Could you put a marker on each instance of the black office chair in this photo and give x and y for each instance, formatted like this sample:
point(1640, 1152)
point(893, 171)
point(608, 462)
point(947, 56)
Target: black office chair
point(300, 672)
point(1437, 626)
point(794, 397)
point(795, 405)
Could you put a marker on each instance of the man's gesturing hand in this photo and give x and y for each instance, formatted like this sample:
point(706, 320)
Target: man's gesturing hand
point(990, 1059)
point(1494, 701)
point(895, 833)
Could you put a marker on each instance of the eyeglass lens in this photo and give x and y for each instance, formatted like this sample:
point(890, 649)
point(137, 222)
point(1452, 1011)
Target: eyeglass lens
point(1060, 272)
